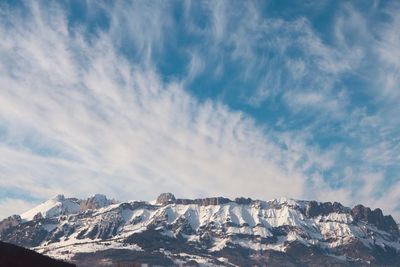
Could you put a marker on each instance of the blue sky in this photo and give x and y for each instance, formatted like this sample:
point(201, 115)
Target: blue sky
point(200, 98)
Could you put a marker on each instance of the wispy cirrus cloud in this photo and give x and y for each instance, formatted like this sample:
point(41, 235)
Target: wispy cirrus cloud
point(80, 118)
point(198, 98)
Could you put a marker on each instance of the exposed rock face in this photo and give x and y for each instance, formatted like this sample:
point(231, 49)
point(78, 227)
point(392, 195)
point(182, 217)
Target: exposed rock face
point(9, 222)
point(204, 201)
point(168, 198)
point(243, 201)
point(165, 198)
point(375, 217)
point(95, 202)
point(26, 234)
point(315, 208)
point(38, 216)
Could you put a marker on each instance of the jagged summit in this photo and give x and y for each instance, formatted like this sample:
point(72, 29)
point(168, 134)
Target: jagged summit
point(212, 231)
point(169, 198)
point(165, 198)
point(53, 207)
point(95, 202)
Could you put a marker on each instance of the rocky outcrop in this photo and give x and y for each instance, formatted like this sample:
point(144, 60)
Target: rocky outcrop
point(168, 198)
point(26, 234)
point(375, 217)
point(359, 213)
point(95, 202)
point(165, 198)
point(38, 216)
point(243, 201)
point(9, 222)
point(315, 208)
point(204, 201)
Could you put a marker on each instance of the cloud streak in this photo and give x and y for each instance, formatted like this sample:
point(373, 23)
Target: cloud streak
point(99, 123)
point(86, 110)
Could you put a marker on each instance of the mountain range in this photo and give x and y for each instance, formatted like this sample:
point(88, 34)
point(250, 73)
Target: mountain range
point(217, 231)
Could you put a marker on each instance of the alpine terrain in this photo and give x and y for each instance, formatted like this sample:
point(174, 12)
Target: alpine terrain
point(211, 232)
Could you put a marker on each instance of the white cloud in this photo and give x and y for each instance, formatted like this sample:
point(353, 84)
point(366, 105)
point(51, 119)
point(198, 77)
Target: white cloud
point(195, 67)
point(388, 50)
point(81, 119)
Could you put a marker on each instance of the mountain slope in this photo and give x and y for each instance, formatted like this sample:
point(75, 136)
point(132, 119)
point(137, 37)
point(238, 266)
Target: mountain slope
point(14, 256)
point(212, 231)
point(52, 208)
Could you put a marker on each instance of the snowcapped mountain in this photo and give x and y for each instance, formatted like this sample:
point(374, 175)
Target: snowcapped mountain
point(60, 205)
point(52, 208)
point(210, 231)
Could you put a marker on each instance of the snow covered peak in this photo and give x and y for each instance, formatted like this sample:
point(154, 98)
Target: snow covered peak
point(60, 205)
point(53, 207)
